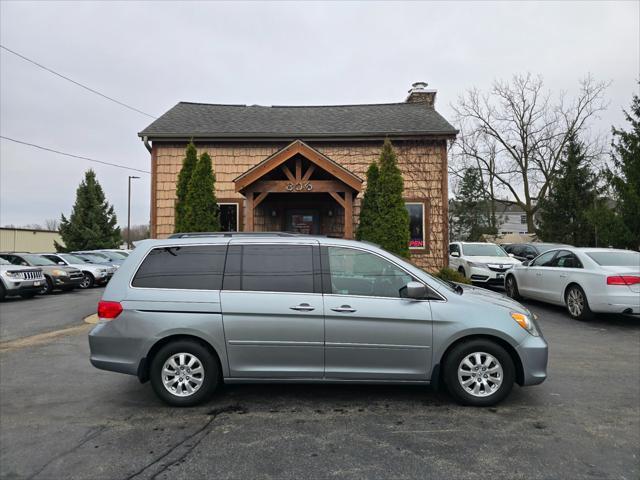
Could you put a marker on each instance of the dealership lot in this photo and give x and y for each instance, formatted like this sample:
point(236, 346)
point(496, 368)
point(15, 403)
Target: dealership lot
point(61, 418)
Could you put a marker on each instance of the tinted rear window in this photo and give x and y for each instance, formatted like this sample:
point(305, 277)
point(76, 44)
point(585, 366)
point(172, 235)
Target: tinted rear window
point(193, 267)
point(616, 259)
point(270, 268)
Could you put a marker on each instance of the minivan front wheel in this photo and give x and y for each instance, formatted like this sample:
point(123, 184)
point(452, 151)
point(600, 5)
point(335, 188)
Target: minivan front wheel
point(479, 373)
point(184, 373)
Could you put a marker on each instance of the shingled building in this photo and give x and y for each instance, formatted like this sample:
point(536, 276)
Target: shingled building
point(302, 168)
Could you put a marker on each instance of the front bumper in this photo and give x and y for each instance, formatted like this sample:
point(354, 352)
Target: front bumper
point(534, 354)
point(18, 286)
point(486, 276)
point(67, 281)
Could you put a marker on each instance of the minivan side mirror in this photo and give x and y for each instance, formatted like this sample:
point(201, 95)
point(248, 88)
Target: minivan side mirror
point(511, 255)
point(455, 254)
point(415, 290)
point(526, 263)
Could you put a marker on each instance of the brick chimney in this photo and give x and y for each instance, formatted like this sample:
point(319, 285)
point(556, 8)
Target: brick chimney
point(419, 93)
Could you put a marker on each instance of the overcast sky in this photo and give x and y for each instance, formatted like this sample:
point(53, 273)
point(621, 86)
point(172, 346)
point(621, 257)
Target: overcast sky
point(153, 54)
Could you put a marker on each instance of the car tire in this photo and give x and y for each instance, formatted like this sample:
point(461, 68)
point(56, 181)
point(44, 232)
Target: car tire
point(577, 303)
point(88, 281)
point(511, 287)
point(184, 353)
point(462, 272)
point(48, 286)
point(479, 388)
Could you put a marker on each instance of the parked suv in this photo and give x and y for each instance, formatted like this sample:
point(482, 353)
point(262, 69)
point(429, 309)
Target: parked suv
point(482, 263)
point(23, 281)
point(93, 274)
point(190, 313)
point(56, 276)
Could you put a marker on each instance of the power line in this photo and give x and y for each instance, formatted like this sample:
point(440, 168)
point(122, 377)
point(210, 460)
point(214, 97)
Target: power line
point(77, 83)
point(72, 155)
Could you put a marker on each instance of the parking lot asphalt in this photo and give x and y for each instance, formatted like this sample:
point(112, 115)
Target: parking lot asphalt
point(41, 314)
point(62, 419)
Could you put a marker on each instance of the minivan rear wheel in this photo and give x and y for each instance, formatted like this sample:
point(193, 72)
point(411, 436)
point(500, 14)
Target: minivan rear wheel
point(183, 373)
point(479, 373)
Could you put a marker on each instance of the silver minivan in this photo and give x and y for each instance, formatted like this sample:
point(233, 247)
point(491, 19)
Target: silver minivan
point(192, 312)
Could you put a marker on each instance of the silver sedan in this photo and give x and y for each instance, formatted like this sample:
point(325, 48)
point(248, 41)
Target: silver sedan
point(585, 280)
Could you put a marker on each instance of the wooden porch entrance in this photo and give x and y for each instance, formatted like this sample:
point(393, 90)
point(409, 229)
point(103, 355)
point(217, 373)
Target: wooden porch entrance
point(299, 179)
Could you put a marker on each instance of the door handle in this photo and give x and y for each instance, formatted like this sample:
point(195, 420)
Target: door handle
point(303, 307)
point(344, 309)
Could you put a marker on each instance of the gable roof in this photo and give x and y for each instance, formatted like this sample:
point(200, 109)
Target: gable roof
point(202, 120)
point(298, 147)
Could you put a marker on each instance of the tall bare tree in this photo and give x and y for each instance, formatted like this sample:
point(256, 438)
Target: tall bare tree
point(516, 133)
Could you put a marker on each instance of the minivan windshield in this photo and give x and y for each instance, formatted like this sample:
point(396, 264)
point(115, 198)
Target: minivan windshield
point(483, 250)
point(616, 259)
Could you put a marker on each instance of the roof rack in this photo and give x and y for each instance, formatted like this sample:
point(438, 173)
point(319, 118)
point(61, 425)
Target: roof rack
point(236, 234)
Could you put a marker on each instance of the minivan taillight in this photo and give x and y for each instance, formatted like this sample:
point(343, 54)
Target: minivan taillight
point(623, 280)
point(108, 310)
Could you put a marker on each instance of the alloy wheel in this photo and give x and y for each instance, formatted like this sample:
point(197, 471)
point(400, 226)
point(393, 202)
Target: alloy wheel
point(575, 302)
point(86, 281)
point(182, 374)
point(480, 374)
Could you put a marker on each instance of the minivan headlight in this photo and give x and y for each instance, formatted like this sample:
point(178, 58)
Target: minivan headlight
point(525, 322)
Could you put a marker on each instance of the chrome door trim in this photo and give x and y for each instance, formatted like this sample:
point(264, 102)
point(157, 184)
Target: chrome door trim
point(375, 345)
point(274, 343)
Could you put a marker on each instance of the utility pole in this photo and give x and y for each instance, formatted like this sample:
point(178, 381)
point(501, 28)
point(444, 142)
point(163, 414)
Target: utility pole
point(129, 213)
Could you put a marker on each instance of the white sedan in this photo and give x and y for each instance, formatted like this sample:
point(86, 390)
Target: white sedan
point(585, 280)
point(482, 263)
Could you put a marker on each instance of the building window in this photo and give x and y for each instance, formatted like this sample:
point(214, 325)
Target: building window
point(417, 225)
point(229, 217)
point(523, 219)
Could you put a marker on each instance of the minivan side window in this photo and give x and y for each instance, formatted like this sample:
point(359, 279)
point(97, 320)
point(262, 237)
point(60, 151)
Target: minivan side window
point(356, 272)
point(197, 267)
point(271, 268)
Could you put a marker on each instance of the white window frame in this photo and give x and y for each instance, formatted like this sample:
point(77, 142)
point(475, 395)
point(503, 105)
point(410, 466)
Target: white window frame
point(237, 204)
point(424, 226)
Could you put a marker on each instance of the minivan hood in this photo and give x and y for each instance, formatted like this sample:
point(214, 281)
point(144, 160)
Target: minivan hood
point(478, 294)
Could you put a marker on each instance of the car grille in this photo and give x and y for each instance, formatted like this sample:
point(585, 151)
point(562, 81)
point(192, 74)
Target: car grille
point(31, 274)
point(499, 268)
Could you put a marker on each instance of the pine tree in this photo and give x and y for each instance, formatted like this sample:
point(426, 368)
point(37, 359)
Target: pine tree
point(369, 208)
point(201, 207)
point(563, 213)
point(471, 217)
point(93, 223)
point(391, 224)
point(182, 187)
point(624, 177)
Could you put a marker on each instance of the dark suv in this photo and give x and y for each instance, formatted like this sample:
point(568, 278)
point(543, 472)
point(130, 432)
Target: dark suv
point(529, 251)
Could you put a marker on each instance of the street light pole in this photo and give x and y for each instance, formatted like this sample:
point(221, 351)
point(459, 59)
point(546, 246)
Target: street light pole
point(129, 213)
